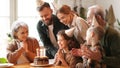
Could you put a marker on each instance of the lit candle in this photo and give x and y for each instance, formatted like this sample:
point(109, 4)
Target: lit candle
point(42, 51)
point(38, 51)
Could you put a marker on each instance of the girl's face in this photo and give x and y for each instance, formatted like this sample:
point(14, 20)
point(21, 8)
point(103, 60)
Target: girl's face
point(22, 33)
point(62, 42)
point(88, 37)
point(64, 18)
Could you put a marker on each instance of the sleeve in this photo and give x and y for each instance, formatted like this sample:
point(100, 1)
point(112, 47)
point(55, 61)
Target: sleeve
point(13, 53)
point(43, 34)
point(82, 26)
point(33, 45)
point(113, 42)
point(74, 60)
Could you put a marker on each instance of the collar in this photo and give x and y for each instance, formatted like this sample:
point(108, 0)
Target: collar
point(73, 22)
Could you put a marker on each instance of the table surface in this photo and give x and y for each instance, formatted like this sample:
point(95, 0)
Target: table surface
point(30, 66)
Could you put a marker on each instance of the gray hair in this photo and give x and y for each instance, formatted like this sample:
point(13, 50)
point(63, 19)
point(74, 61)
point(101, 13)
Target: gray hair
point(98, 30)
point(97, 9)
point(15, 26)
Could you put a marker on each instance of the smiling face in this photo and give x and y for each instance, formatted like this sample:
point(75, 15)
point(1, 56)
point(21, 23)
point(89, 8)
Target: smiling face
point(63, 44)
point(46, 15)
point(90, 15)
point(22, 33)
point(64, 18)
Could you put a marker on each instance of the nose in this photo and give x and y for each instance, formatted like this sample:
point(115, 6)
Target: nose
point(26, 34)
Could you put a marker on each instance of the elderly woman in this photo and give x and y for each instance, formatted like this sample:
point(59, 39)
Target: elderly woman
point(23, 48)
point(69, 18)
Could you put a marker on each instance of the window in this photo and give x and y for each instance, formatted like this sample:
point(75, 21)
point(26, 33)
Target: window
point(11, 10)
point(27, 12)
point(4, 18)
point(4, 24)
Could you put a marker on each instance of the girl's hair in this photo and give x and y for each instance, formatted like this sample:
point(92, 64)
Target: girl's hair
point(15, 26)
point(73, 43)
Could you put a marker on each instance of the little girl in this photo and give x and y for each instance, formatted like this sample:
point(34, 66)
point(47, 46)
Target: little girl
point(66, 42)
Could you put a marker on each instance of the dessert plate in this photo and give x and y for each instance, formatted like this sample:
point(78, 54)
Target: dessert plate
point(43, 65)
point(4, 65)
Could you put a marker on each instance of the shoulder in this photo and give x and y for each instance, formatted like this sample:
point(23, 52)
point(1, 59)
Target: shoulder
point(111, 32)
point(12, 45)
point(31, 39)
point(81, 21)
point(40, 24)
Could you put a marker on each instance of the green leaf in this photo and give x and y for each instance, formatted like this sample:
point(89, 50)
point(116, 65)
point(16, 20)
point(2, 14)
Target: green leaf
point(3, 60)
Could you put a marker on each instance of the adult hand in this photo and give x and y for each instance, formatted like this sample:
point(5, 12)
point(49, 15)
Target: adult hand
point(24, 45)
point(76, 52)
point(100, 20)
point(95, 55)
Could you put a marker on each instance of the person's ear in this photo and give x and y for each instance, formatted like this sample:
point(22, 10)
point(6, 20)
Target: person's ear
point(51, 10)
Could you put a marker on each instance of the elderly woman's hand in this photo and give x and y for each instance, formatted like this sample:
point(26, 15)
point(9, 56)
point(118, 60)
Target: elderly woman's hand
point(24, 45)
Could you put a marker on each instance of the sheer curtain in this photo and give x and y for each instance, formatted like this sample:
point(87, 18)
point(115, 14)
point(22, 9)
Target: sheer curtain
point(4, 25)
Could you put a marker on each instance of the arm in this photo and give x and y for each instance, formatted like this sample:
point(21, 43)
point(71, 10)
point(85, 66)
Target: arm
point(61, 58)
point(31, 49)
point(112, 48)
point(82, 26)
point(76, 52)
point(13, 53)
point(43, 34)
point(91, 54)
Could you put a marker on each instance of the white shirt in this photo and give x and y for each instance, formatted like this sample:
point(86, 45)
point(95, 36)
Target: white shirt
point(52, 37)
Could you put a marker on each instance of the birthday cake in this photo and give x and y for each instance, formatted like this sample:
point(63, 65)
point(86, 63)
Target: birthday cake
point(38, 60)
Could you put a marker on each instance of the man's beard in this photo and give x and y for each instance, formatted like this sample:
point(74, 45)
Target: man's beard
point(48, 22)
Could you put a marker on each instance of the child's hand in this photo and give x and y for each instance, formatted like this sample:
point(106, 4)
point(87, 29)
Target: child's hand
point(60, 55)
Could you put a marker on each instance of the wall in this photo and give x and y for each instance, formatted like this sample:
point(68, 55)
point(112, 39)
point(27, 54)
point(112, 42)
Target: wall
point(116, 8)
point(71, 3)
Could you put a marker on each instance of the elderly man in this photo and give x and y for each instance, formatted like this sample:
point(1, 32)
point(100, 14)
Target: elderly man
point(48, 28)
point(110, 41)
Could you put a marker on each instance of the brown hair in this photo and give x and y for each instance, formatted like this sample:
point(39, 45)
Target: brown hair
point(41, 7)
point(64, 9)
point(73, 42)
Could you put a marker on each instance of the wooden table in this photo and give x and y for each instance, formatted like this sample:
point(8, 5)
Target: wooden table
point(29, 66)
